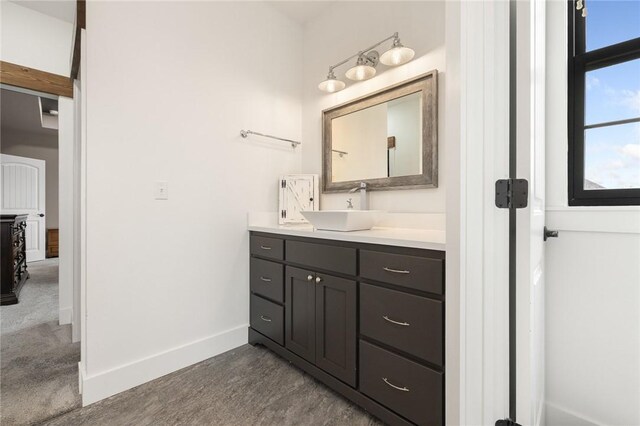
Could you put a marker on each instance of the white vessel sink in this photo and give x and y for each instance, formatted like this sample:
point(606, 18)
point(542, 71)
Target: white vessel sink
point(343, 220)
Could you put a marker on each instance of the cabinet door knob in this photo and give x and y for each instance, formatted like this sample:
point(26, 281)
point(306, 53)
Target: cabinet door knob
point(309, 277)
point(318, 280)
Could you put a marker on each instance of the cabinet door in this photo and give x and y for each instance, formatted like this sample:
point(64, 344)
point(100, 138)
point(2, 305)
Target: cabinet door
point(336, 327)
point(300, 303)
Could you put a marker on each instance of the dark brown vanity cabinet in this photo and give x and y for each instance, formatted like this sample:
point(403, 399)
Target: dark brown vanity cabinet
point(366, 320)
point(320, 323)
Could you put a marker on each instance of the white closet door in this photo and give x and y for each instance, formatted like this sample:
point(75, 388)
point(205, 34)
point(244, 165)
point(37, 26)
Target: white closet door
point(23, 192)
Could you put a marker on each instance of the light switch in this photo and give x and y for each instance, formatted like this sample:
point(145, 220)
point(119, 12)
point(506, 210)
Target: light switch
point(162, 191)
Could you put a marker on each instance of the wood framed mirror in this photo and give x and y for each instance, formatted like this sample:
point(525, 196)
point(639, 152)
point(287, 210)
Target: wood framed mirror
point(387, 139)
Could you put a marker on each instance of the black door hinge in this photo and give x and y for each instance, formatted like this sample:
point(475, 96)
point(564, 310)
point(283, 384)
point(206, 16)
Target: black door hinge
point(512, 193)
point(283, 214)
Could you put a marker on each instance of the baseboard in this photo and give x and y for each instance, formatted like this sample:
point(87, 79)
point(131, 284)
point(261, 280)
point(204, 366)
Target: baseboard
point(556, 415)
point(65, 315)
point(80, 377)
point(103, 385)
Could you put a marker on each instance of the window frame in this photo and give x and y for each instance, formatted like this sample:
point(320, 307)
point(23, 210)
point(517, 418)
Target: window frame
point(579, 63)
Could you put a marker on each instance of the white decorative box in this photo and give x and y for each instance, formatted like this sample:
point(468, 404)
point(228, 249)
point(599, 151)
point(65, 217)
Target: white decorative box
point(297, 193)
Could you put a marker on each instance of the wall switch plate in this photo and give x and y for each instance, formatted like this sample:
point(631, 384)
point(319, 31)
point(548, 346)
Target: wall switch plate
point(161, 191)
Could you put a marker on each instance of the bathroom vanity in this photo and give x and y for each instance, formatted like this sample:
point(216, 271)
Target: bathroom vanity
point(362, 312)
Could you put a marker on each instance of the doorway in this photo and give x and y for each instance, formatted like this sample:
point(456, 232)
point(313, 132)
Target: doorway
point(39, 359)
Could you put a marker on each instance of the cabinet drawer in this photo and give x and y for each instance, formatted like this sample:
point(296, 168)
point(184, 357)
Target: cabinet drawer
point(272, 248)
point(267, 318)
point(406, 387)
point(327, 257)
point(419, 273)
point(267, 279)
point(410, 323)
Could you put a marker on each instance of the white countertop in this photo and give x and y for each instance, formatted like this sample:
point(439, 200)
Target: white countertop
point(400, 237)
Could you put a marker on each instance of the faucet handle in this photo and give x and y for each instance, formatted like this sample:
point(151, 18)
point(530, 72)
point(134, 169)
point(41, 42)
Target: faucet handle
point(350, 203)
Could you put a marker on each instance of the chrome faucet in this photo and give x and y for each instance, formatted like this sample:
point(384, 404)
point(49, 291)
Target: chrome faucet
point(364, 196)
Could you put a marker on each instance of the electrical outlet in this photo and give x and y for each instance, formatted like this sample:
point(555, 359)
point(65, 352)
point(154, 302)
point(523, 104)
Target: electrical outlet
point(161, 191)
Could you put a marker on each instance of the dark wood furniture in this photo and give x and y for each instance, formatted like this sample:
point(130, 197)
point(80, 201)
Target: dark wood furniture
point(52, 242)
point(366, 320)
point(13, 266)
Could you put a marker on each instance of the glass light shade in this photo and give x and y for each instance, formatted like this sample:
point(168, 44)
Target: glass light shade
point(360, 72)
point(397, 55)
point(331, 85)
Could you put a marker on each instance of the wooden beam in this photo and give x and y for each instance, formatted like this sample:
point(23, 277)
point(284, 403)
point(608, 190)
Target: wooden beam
point(81, 23)
point(40, 81)
point(81, 14)
point(75, 61)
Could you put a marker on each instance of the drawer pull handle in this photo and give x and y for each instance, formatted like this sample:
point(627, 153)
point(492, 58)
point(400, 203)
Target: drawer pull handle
point(396, 271)
point(265, 247)
point(265, 279)
point(403, 389)
point(404, 324)
point(263, 318)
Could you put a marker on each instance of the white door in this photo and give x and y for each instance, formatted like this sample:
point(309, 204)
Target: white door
point(531, 220)
point(23, 192)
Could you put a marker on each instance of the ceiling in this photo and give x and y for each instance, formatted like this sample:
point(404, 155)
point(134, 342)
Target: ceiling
point(298, 11)
point(301, 11)
point(61, 9)
point(19, 112)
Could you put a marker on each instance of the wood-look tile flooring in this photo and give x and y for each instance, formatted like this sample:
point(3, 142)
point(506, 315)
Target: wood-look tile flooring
point(246, 386)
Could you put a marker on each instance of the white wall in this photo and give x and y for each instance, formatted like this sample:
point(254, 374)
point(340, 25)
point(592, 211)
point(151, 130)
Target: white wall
point(341, 31)
point(167, 281)
point(363, 135)
point(593, 281)
point(452, 123)
point(65, 208)
point(42, 147)
point(405, 123)
point(35, 40)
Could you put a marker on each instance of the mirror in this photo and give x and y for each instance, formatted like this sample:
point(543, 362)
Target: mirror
point(387, 139)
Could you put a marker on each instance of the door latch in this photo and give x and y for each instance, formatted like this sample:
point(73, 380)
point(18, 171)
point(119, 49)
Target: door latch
point(549, 233)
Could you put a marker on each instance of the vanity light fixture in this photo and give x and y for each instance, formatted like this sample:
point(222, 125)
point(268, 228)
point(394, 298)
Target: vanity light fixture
point(397, 55)
point(331, 84)
point(365, 67)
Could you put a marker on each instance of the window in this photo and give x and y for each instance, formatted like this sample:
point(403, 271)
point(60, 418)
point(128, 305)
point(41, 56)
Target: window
point(604, 102)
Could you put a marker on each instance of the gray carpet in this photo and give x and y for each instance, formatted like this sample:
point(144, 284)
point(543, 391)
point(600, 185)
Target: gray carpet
point(246, 386)
point(38, 298)
point(39, 364)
